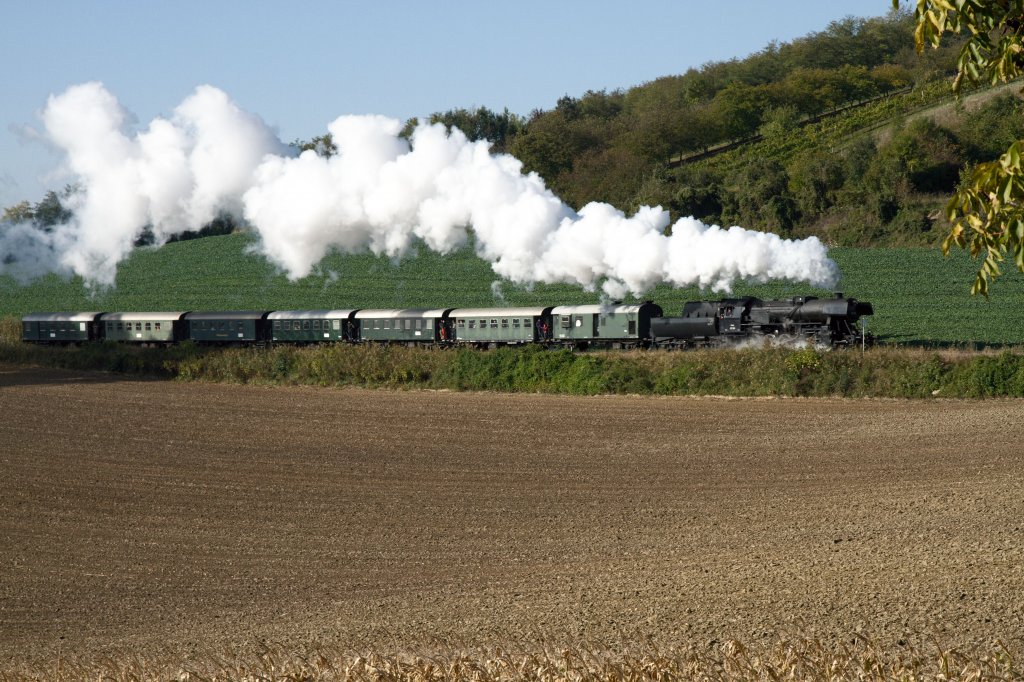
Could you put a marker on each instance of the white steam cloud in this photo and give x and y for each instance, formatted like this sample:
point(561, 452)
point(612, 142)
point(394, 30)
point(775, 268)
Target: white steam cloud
point(380, 192)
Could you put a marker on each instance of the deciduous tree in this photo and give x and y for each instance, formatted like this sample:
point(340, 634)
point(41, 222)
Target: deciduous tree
point(987, 211)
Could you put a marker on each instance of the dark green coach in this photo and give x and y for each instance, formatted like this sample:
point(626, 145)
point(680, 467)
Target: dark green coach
point(409, 325)
point(153, 327)
point(60, 327)
point(310, 326)
point(228, 326)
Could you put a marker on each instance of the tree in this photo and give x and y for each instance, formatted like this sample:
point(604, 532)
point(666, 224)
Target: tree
point(323, 145)
point(987, 210)
point(483, 124)
point(50, 211)
point(19, 213)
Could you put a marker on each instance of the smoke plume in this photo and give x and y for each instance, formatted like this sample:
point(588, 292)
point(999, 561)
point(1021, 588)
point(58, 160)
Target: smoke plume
point(380, 193)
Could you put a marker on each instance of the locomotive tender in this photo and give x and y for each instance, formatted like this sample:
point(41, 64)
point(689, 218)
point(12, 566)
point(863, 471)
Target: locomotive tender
point(825, 321)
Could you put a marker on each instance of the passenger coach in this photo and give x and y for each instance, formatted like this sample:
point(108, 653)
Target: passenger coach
point(493, 326)
point(144, 327)
point(410, 325)
point(615, 325)
point(311, 326)
point(228, 326)
point(60, 327)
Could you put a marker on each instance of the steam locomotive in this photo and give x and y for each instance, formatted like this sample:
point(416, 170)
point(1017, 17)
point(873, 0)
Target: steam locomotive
point(828, 321)
point(831, 321)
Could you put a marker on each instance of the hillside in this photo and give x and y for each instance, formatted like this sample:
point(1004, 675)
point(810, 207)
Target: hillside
point(847, 134)
point(919, 297)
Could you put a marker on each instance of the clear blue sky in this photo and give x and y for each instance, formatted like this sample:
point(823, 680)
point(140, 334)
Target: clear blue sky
point(299, 65)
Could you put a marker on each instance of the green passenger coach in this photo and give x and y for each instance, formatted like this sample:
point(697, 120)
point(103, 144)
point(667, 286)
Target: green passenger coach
point(311, 326)
point(143, 327)
point(60, 327)
point(616, 325)
point(228, 326)
point(501, 325)
point(411, 325)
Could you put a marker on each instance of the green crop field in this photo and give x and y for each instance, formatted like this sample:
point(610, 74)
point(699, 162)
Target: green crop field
point(919, 296)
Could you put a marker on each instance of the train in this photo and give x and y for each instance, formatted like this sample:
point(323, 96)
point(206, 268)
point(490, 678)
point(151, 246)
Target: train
point(731, 321)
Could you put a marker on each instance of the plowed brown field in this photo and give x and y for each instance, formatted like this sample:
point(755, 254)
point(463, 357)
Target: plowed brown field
point(137, 514)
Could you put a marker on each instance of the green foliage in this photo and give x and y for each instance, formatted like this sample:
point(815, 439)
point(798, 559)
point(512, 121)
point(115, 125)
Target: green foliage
point(986, 211)
point(994, 30)
point(869, 176)
point(483, 124)
point(221, 225)
point(760, 197)
point(46, 213)
point(18, 213)
point(322, 145)
point(986, 131)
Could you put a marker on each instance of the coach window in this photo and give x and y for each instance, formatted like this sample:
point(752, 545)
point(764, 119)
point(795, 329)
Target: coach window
point(565, 322)
point(504, 323)
point(138, 326)
point(386, 324)
point(277, 325)
point(515, 322)
point(428, 324)
point(472, 324)
point(408, 324)
point(316, 325)
point(156, 326)
point(149, 327)
point(305, 325)
point(419, 324)
point(336, 324)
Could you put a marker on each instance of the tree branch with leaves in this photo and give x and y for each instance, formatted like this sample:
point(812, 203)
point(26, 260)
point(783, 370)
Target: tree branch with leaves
point(987, 210)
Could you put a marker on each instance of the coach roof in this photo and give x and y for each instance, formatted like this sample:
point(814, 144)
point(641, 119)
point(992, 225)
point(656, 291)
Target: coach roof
point(60, 317)
point(499, 312)
point(227, 315)
point(406, 312)
point(308, 314)
point(597, 309)
point(141, 317)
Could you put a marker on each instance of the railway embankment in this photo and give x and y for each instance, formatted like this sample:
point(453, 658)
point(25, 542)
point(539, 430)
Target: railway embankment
point(880, 372)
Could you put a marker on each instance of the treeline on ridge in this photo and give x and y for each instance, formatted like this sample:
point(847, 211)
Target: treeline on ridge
point(877, 186)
